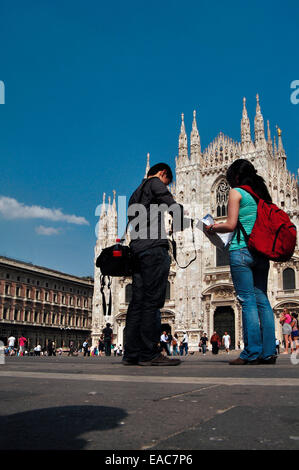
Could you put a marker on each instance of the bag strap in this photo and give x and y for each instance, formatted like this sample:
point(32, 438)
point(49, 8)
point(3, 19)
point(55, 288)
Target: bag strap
point(104, 303)
point(240, 227)
point(174, 250)
point(249, 190)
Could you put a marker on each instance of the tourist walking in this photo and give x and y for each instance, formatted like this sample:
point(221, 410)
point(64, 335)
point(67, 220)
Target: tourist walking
point(175, 343)
point(184, 344)
point(101, 347)
point(203, 343)
point(169, 343)
point(163, 343)
point(295, 333)
point(50, 350)
point(215, 341)
point(107, 334)
point(149, 245)
point(249, 271)
point(277, 342)
point(22, 343)
point(11, 345)
point(285, 320)
point(72, 348)
point(85, 348)
point(226, 341)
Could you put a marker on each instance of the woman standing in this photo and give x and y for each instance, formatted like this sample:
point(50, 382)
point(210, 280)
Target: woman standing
point(249, 272)
point(175, 342)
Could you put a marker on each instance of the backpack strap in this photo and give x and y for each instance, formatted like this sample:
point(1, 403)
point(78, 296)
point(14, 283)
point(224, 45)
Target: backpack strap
point(240, 227)
point(249, 190)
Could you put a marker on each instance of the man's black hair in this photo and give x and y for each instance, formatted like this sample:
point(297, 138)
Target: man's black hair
point(160, 167)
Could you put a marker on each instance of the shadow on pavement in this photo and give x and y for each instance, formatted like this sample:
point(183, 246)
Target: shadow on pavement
point(56, 428)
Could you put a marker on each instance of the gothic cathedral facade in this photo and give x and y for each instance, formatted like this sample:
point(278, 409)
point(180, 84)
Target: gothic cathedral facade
point(201, 298)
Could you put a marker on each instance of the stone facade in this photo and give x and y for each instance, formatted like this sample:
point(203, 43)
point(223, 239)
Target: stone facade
point(201, 298)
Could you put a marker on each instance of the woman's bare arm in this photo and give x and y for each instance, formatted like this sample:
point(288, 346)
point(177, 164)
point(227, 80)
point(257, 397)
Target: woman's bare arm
point(233, 208)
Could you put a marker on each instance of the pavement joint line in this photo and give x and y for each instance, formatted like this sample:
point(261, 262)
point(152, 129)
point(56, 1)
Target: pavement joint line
point(190, 428)
point(230, 381)
point(170, 397)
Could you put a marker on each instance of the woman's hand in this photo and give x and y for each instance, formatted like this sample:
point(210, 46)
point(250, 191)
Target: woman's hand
point(210, 228)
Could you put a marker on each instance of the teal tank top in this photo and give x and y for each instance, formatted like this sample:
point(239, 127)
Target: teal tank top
point(247, 217)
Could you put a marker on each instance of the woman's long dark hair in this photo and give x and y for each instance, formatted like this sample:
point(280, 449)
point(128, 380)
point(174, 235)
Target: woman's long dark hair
point(242, 172)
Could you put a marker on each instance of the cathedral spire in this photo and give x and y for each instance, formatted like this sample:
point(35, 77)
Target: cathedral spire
point(246, 142)
point(274, 147)
point(103, 211)
point(102, 224)
point(195, 149)
point(259, 131)
point(280, 150)
point(111, 219)
point(183, 144)
point(269, 140)
point(147, 165)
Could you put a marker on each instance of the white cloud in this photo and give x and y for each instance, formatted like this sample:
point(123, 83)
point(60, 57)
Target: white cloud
point(42, 230)
point(12, 209)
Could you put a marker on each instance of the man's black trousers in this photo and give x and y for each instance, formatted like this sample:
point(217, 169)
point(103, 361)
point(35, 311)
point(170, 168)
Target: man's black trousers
point(143, 321)
point(107, 347)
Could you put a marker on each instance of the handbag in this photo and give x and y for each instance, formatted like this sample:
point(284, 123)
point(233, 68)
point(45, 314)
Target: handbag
point(116, 260)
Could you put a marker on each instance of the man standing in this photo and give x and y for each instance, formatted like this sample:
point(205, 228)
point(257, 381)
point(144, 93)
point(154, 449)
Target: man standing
point(164, 342)
point(185, 344)
point(72, 348)
point(203, 341)
point(11, 345)
point(50, 348)
point(107, 332)
point(149, 244)
point(226, 341)
point(85, 348)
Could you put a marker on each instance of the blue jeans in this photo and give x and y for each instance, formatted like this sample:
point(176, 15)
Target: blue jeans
point(183, 348)
point(250, 277)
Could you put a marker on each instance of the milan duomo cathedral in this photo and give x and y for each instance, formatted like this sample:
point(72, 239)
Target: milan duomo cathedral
point(201, 298)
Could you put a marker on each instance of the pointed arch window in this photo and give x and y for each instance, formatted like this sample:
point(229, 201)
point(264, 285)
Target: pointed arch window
point(288, 278)
point(222, 198)
point(128, 293)
point(167, 296)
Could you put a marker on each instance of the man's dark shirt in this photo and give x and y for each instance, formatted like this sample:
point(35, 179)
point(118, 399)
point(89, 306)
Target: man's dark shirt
point(107, 333)
point(204, 339)
point(151, 191)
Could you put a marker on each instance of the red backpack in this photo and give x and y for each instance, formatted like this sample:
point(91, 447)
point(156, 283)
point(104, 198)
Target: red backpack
point(273, 234)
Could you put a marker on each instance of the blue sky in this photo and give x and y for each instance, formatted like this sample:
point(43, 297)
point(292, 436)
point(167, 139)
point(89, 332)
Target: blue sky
point(91, 87)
